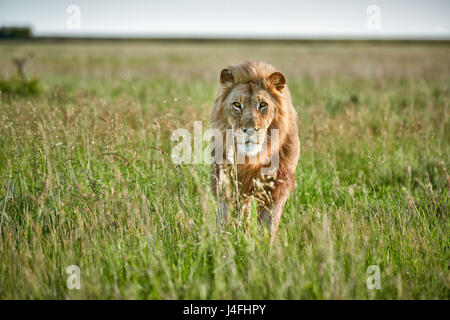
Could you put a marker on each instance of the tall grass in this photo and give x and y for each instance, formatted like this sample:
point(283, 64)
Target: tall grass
point(86, 177)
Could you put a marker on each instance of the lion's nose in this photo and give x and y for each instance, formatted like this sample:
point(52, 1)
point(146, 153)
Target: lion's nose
point(250, 131)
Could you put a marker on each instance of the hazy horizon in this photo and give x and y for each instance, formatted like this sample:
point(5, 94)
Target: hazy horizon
point(232, 19)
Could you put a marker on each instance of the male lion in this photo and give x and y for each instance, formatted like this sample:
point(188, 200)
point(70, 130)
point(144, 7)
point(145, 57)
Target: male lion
point(253, 103)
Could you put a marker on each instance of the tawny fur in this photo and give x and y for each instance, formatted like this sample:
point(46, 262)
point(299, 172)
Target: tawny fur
point(250, 82)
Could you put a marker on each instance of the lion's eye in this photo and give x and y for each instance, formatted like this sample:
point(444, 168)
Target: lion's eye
point(262, 105)
point(237, 105)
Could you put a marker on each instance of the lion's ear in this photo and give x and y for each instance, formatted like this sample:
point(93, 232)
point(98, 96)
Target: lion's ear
point(276, 80)
point(226, 77)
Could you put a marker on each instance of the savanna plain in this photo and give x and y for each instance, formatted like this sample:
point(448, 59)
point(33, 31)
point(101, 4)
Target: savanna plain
point(86, 176)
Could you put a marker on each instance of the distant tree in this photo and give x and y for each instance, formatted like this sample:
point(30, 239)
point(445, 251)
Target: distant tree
point(15, 32)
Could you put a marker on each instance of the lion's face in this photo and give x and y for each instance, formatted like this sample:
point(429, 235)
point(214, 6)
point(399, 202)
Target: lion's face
point(250, 109)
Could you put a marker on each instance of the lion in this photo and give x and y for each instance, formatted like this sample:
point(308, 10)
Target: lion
point(253, 102)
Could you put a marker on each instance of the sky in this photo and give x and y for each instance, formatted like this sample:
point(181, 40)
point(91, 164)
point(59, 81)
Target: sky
point(232, 18)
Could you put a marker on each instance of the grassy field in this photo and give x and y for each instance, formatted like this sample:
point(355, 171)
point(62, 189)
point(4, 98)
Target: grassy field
point(86, 177)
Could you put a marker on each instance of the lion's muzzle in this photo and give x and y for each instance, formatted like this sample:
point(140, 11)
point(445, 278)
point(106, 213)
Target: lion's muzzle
point(250, 141)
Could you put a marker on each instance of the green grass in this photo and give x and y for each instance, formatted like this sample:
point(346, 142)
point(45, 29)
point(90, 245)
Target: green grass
point(86, 178)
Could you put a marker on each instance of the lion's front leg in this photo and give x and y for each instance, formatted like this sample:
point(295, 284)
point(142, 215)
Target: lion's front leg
point(271, 210)
point(222, 193)
point(222, 213)
point(271, 216)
